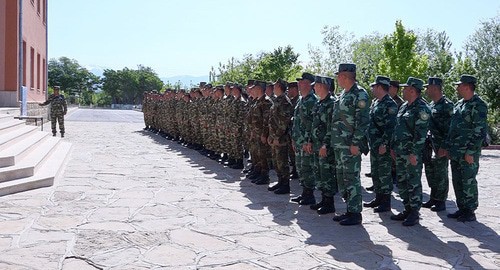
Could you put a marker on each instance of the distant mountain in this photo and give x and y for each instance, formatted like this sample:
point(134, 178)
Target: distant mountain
point(185, 80)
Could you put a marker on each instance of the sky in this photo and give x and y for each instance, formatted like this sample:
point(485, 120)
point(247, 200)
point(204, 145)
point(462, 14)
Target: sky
point(188, 37)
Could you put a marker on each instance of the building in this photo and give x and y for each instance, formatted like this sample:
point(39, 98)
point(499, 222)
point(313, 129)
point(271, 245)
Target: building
point(23, 53)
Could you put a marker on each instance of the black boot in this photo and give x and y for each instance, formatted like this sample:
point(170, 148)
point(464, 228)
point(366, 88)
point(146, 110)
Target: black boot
point(248, 170)
point(439, 206)
point(308, 198)
point(375, 202)
point(352, 219)
point(372, 188)
point(275, 186)
point(238, 165)
point(298, 198)
point(457, 214)
point(430, 203)
point(230, 162)
point(401, 216)
point(284, 188)
point(341, 217)
point(263, 179)
point(318, 205)
point(385, 204)
point(328, 206)
point(412, 219)
point(467, 215)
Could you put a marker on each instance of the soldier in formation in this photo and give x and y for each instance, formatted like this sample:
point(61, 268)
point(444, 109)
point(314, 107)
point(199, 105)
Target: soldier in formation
point(321, 136)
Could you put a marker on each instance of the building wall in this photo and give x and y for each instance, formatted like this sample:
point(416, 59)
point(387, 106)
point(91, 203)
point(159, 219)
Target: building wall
point(34, 46)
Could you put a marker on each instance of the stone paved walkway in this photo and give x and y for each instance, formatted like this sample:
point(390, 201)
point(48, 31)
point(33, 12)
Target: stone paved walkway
point(129, 199)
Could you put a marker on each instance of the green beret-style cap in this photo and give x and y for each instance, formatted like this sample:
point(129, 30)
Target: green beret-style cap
point(466, 79)
point(434, 81)
point(346, 67)
point(415, 82)
point(306, 76)
point(382, 80)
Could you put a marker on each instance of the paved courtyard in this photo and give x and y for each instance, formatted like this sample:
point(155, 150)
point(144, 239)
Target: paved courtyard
point(129, 199)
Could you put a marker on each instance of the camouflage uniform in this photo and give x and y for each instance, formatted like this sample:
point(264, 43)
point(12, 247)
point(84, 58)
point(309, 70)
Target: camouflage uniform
point(467, 131)
point(382, 122)
point(436, 169)
point(324, 167)
point(291, 152)
point(349, 125)
point(302, 134)
point(409, 138)
point(280, 116)
point(259, 115)
point(58, 108)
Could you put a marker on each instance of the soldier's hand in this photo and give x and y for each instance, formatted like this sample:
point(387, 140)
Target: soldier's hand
point(413, 159)
point(442, 153)
point(354, 150)
point(263, 139)
point(40, 104)
point(323, 151)
point(469, 159)
point(382, 149)
point(307, 148)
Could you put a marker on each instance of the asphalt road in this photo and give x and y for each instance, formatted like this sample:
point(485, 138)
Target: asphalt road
point(103, 115)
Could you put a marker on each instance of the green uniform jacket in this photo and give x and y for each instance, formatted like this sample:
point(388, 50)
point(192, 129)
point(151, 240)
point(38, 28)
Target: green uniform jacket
point(383, 115)
point(302, 126)
point(439, 126)
point(468, 128)
point(279, 119)
point(259, 114)
point(411, 128)
point(351, 118)
point(322, 118)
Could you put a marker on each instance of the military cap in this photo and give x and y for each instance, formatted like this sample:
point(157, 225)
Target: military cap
point(394, 83)
point(219, 87)
point(346, 67)
point(306, 76)
point(282, 83)
point(261, 84)
point(466, 79)
point(323, 80)
point(208, 85)
point(237, 86)
point(381, 80)
point(415, 82)
point(202, 84)
point(250, 82)
point(434, 81)
point(229, 83)
point(293, 84)
point(57, 87)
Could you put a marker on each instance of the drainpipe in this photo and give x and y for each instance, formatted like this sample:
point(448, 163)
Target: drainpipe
point(21, 60)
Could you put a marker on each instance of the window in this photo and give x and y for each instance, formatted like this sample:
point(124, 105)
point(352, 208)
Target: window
point(44, 6)
point(39, 72)
point(32, 69)
point(33, 2)
point(25, 62)
point(44, 77)
point(38, 6)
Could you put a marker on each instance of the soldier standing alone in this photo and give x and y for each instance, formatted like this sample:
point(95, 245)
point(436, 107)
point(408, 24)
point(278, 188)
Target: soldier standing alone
point(58, 109)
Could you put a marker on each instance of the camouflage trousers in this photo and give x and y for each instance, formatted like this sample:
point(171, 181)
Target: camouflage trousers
point(436, 172)
point(409, 181)
point(326, 178)
point(262, 153)
point(280, 161)
point(381, 169)
point(464, 181)
point(59, 118)
point(235, 150)
point(306, 169)
point(348, 168)
point(291, 154)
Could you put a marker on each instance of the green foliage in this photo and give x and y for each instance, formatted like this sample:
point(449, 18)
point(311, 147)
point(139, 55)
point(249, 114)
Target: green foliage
point(281, 63)
point(401, 59)
point(367, 52)
point(127, 86)
point(70, 76)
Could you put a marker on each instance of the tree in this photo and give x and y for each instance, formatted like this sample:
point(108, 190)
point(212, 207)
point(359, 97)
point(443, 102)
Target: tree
point(282, 63)
point(367, 52)
point(401, 59)
point(70, 76)
point(337, 49)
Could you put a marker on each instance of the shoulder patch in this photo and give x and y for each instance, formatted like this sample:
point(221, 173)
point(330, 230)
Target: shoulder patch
point(424, 116)
point(362, 104)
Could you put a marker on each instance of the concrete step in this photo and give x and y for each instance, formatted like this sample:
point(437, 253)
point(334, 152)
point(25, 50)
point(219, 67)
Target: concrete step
point(45, 175)
point(17, 151)
point(7, 138)
point(29, 165)
point(10, 125)
point(6, 117)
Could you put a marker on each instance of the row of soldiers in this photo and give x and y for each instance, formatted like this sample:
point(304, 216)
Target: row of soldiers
point(322, 135)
